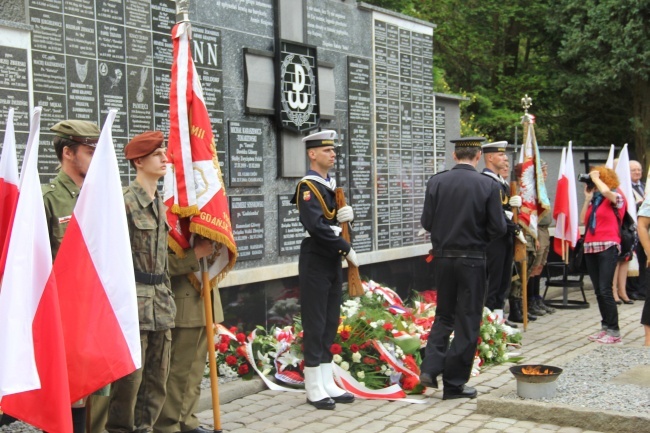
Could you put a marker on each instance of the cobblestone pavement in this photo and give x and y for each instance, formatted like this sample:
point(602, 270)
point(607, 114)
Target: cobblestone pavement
point(562, 334)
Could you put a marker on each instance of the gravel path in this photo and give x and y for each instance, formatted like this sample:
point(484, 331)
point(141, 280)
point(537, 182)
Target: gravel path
point(587, 380)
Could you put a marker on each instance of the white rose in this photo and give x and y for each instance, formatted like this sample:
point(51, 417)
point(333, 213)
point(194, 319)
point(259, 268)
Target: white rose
point(345, 366)
point(337, 358)
point(356, 357)
point(361, 375)
point(373, 325)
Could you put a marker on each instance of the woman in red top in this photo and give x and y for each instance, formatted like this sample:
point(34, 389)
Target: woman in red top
point(602, 246)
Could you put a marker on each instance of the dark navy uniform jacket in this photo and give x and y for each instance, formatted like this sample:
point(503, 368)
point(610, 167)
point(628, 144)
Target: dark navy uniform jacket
point(315, 220)
point(505, 198)
point(462, 210)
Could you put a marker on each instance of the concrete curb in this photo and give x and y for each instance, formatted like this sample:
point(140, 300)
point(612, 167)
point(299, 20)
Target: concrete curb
point(231, 391)
point(495, 405)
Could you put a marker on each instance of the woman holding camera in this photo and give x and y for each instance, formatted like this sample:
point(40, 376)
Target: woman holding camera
point(602, 245)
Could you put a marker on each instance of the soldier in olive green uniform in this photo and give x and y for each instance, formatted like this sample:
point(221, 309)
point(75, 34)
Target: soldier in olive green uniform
point(189, 348)
point(74, 145)
point(136, 399)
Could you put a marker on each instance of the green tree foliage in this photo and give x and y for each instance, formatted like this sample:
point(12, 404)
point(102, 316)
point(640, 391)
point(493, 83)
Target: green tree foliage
point(604, 48)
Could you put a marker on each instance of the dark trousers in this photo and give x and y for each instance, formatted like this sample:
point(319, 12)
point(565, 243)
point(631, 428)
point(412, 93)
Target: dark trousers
point(638, 284)
point(645, 313)
point(499, 268)
point(461, 291)
point(320, 279)
point(601, 267)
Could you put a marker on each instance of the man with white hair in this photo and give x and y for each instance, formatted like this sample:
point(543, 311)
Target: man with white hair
point(636, 286)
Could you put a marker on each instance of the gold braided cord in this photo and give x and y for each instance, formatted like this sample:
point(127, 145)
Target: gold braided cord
point(329, 214)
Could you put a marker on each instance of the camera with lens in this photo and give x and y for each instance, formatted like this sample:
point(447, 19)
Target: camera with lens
point(586, 179)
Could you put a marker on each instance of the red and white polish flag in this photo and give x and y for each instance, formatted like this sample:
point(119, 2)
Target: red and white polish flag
point(33, 372)
point(94, 273)
point(8, 185)
point(565, 209)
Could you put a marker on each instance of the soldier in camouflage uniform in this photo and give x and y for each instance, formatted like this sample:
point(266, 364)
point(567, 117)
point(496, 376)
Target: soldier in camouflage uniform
point(74, 145)
point(136, 400)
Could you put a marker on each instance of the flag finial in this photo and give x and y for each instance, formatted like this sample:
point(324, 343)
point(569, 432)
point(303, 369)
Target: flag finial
point(526, 102)
point(182, 10)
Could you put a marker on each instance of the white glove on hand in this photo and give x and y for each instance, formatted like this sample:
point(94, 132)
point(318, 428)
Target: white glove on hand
point(345, 214)
point(508, 214)
point(352, 258)
point(520, 236)
point(515, 201)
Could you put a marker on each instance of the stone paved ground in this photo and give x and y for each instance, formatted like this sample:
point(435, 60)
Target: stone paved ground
point(559, 335)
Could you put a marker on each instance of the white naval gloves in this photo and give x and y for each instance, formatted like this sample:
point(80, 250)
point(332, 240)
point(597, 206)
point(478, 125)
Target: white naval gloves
point(345, 214)
point(352, 258)
point(515, 201)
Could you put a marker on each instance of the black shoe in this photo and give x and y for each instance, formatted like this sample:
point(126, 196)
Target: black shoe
point(511, 324)
point(347, 397)
point(619, 302)
point(464, 392)
point(532, 317)
point(636, 296)
point(628, 302)
point(199, 429)
point(429, 381)
point(326, 403)
point(6, 419)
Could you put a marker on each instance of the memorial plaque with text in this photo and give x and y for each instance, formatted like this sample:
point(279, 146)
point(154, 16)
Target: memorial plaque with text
point(290, 231)
point(404, 108)
point(247, 213)
point(360, 159)
point(246, 156)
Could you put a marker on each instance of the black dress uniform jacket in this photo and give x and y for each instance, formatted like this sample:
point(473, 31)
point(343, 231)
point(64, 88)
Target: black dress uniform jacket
point(459, 211)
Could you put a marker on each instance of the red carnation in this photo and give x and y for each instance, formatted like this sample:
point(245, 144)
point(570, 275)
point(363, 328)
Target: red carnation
point(480, 340)
point(345, 335)
point(354, 348)
point(336, 349)
point(224, 339)
point(231, 360)
point(410, 382)
point(243, 369)
point(241, 351)
point(368, 360)
point(233, 329)
point(223, 347)
point(241, 337)
point(388, 326)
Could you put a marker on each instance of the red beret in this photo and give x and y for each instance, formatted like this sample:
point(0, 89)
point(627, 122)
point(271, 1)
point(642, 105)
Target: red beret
point(143, 144)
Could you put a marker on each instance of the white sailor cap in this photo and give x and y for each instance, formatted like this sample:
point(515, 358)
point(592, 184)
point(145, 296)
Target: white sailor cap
point(320, 139)
point(497, 146)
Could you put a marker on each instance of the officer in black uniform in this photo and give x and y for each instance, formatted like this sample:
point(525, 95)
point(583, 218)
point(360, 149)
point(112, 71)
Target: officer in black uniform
point(462, 210)
point(500, 251)
point(320, 272)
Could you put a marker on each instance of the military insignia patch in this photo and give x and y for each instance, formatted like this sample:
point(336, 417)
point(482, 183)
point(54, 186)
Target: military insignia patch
point(65, 219)
point(306, 196)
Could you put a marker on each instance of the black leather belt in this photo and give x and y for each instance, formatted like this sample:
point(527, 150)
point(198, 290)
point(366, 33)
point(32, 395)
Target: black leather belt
point(459, 254)
point(151, 279)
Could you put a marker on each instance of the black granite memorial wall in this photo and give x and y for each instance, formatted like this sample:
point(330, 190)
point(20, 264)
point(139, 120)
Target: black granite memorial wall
point(78, 59)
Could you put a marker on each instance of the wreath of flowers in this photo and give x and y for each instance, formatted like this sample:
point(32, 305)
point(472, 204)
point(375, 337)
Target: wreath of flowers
point(379, 342)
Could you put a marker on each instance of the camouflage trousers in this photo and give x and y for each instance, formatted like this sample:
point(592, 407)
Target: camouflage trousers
point(136, 399)
point(515, 287)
